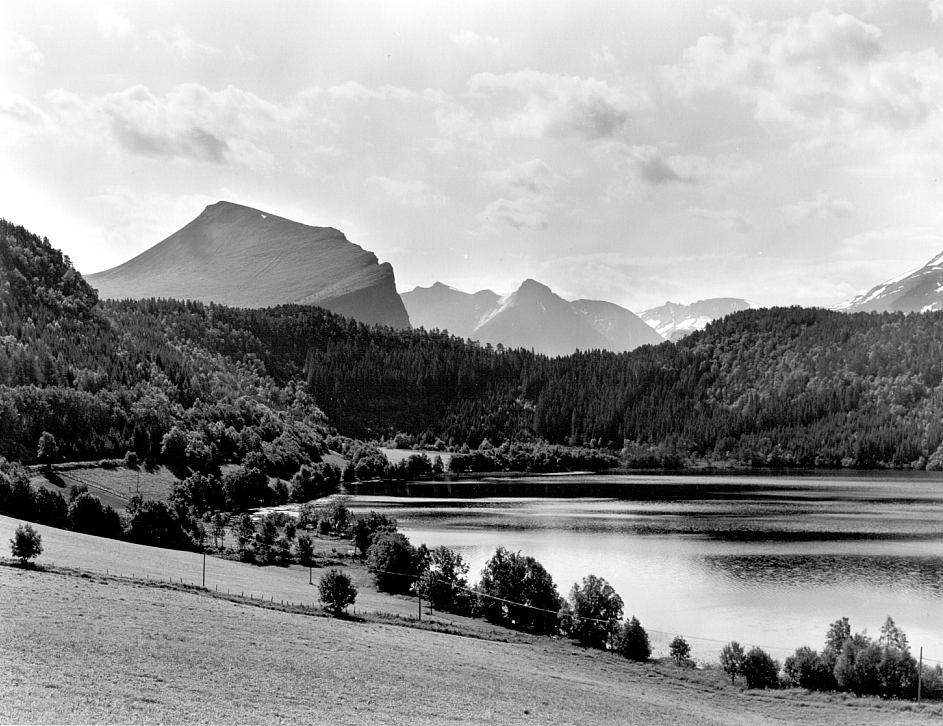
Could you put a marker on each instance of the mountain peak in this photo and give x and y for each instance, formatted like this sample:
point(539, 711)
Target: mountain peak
point(919, 290)
point(240, 256)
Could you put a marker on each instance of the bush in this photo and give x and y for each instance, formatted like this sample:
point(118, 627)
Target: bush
point(680, 651)
point(304, 550)
point(88, 516)
point(760, 670)
point(26, 544)
point(393, 562)
point(595, 612)
point(443, 582)
point(337, 592)
point(516, 591)
point(632, 641)
point(807, 669)
point(731, 660)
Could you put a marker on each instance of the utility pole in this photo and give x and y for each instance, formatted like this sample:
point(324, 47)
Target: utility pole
point(920, 675)
point(309, 575)
point(204, 566)
point(419, 600)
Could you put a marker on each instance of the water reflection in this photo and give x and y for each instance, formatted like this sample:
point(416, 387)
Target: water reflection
point(764, 560)
point(920, 575)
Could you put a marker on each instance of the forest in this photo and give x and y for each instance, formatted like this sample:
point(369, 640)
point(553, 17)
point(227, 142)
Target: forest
point(775, 387)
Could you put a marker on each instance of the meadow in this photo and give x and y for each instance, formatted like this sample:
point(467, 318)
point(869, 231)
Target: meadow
point(79, 646)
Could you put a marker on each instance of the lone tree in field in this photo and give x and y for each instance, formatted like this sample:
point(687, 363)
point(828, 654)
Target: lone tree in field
point(26, 544)
point(760, 670)
point(47, 453)
point(632, 642)
point(680, 651)
point(337, 591)
point(595, 612)
point(731, 660)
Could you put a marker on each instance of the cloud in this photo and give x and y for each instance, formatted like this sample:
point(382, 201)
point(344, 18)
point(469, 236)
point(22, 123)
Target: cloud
point(20, 51)
point(731, 219)
point(181, 45)
point(22, 110)
point(936, 10)
point(353, 91)
point(532, 177)
point(470, 40)
point(828, 72)
point(409, 193)
point(523, 213)
point(556, 105)
point(112, 24)
point(821, 206)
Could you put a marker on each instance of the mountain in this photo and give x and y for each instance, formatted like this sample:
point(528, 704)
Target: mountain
point(918, 291)
point(445, 308)
point(239, 256)
point(674, 320)
point(531, 317)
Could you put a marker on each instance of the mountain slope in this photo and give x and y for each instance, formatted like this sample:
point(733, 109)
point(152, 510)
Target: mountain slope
point(674, 321)
point(535, 317)
point(622, 329)
point(920, 290)
point(445, 308)
point(239, 256)
point(531, 317)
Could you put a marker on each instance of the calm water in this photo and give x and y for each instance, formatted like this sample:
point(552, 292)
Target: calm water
point(768, 561)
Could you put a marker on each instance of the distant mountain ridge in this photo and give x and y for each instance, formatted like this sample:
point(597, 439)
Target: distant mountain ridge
point(239, 256)
point(917, 291)
point(673, 321)
point(532, 317)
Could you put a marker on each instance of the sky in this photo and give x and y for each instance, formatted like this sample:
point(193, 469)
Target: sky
point(786, 152)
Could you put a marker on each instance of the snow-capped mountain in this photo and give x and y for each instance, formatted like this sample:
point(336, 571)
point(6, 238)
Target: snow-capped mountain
point(533, 316)
point(919, 290)
point(674, 320)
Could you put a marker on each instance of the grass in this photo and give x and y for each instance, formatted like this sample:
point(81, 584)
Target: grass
point(79, 646)
point(114, 486)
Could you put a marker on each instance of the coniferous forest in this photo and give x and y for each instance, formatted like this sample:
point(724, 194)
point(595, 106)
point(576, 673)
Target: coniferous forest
point(775, 387)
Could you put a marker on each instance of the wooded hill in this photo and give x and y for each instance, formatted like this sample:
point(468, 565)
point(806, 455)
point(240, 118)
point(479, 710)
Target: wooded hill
point(785, 386)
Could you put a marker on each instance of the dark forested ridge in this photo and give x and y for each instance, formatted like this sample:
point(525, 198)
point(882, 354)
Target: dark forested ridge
point(784, 386)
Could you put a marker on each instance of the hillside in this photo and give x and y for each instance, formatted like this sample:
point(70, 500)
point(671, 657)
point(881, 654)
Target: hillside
point(84, 647)
point(673, 320)
point(239, 256)
point(777, 387)
point(532, 317)
point(920, 290)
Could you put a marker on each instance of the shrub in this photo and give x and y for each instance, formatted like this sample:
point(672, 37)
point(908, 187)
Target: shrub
point(393, 562)
point(337, 592)
point(680, 651)
point(443, 582)
point(760, 670)
point(304, 550)
point(516, 591)
point(88, 516)
point(633, 642)
point(731, 660)
point(807, 669)
point(26, 544)
point(595, 612)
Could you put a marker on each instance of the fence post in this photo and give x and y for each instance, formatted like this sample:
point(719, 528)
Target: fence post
point(920, 675)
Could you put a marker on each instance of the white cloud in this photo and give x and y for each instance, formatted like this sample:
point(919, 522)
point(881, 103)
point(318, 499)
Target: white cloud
point(470, 40)
point(522, 213)
point(21, 109)
point(557, 105)
point(407, 192)
point(821, 206)
point(353, 91)
point(731, 219)
point(936, 10)
point(18, 50)
point(533, 177)
point(828, 72)
point(181, 45)
point(111, 24)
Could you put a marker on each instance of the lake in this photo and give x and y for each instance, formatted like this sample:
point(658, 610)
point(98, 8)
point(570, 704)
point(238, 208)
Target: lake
point(765, 560)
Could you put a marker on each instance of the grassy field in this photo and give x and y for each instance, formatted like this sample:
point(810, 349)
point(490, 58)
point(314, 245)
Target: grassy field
point(78, 647)
point(114, 486)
